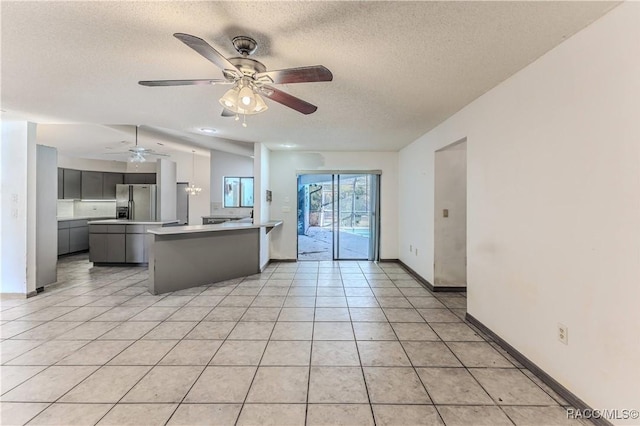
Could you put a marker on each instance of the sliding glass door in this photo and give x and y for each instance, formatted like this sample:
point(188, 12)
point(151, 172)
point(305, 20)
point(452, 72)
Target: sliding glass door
point(338, 216)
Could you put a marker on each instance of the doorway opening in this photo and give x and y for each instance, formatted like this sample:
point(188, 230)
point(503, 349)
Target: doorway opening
point(338, 216)
point(450, 227)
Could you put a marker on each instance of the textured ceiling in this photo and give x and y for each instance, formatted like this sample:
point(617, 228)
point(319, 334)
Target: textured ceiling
point(400, 68)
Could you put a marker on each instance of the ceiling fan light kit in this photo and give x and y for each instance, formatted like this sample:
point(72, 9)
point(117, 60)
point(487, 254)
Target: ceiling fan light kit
point(137, 157)
point(250, 79)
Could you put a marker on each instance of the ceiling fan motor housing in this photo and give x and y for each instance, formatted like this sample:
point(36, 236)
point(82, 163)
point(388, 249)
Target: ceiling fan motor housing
point(248, 67)
point(244, 45)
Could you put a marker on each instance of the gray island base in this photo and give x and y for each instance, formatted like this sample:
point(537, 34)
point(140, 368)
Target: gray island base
point(191, 256)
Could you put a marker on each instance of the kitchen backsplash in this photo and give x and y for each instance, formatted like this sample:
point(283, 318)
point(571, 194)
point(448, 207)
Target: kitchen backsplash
point(217, 210)
point(78, 208)
point(65, 208)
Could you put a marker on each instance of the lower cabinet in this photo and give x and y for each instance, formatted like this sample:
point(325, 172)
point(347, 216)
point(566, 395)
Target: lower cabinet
point(63, 241)
point(78, 239)
point(98, 248)
point(119, 243)
point(116, 248)
point(73, 236)
point(135, 248)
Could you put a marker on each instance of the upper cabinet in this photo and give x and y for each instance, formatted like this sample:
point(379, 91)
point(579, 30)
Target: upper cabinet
point(60, 184)
point(92, 185)
point(109, 182)
point(72, 184)
point(140, 178)
point(88, 185)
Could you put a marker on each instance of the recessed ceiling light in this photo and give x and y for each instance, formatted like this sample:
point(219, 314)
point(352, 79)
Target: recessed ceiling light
point(207, 130)
point(287, 145)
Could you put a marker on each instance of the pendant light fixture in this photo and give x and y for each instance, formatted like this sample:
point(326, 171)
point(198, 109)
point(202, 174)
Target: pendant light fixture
point(193, 189)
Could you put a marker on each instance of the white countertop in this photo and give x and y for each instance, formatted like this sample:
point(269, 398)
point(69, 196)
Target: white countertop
point(227, 226)
point(227, 216)
point(65, 219)
point(130, 222)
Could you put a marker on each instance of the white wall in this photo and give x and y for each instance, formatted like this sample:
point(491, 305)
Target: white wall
point(226, 164)
point(18, 213)
point(553, 208)
point(104, 165)
point(262, 208)
point(450, 232)
point(199, 205)
point(285, 164)
point(166, 190)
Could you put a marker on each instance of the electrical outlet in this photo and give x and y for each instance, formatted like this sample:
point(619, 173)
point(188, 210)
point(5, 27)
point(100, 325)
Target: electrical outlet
point(563, 333)
point(410, 248)
point(416, 251)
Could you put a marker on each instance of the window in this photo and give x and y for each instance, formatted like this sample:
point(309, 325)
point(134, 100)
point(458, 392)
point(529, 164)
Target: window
point(238, 192)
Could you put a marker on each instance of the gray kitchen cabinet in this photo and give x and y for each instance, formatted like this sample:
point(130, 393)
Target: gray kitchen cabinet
point(73, 236)
point(63, 241)
point(97, 248)
point(91, 188)
point(60, 184)
point(109, 182)
point(139, 178)
point(135, 248)
point(72, 184)
point(78, 239)
point(116, 247)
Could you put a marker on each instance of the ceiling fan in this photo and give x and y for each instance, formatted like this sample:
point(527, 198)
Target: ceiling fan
point(249, 78)
point(138, 154)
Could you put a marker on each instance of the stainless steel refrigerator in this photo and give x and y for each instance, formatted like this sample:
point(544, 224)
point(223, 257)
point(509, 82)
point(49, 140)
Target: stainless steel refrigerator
point(136, 202)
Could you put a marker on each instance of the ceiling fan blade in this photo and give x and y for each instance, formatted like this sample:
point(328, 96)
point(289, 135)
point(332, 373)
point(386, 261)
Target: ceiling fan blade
point(154, 83)
point(205, 49)
point(227, 113)
point(288, 100)
point(298, 75)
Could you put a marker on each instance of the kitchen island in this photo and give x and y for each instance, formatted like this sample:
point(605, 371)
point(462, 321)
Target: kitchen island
point(121, 241)
point(190, 256)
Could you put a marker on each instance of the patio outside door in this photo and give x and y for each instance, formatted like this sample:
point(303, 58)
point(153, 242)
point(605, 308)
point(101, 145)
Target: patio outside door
point(338, 216)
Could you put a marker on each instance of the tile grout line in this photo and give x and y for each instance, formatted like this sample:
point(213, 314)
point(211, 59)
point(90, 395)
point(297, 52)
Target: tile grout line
point(405, 352)
point(261, 357)
point(355, 342)
point(214, 353)
point(157, 363)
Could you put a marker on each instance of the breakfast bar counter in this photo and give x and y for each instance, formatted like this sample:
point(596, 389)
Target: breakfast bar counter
point(189, 256)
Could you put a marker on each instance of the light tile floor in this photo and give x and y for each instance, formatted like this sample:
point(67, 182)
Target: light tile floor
point(315, 343)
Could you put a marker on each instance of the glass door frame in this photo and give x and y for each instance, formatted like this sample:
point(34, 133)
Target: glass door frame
point(373, 205)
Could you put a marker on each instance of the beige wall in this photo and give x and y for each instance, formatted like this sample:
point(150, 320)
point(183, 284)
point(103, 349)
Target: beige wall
point(553, 208)
point(283, 168)
point(450, 232)
point(227, 164)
